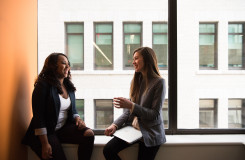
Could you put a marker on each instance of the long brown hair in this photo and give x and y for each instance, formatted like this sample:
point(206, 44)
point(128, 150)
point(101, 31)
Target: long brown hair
point(151, 69)
point(49, 73)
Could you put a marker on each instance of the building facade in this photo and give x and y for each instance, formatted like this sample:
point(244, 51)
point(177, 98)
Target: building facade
point(100, 36)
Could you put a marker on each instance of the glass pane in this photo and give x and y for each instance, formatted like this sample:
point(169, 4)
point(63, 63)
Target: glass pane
point(132, 28)
point(75, 51)
point(209, 46)
point(207, 28)
point(207, 51)
point(235, 46)
point(236, 115)
point(74, 28)
point(160, 28)
point(103, 47)
point(235, 28)
point(80, 107)
point(104, 113)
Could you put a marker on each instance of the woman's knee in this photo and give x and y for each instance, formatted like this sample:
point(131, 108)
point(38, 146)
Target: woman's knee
point(88, 132)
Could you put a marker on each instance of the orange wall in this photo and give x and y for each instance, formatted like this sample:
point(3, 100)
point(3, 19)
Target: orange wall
point(18, 69)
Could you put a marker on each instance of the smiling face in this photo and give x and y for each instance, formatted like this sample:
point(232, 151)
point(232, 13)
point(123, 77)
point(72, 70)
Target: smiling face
point(138, 62)
point(62, 67)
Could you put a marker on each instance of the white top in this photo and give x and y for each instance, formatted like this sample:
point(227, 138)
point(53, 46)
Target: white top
point(65, 104)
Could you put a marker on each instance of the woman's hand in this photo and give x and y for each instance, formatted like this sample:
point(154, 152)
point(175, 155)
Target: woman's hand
point(110, 130)
point(80, 123)
point(120, 102)
point(46, 151)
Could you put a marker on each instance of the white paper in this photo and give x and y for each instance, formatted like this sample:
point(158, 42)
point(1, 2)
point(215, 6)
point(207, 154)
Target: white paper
point(128, 134)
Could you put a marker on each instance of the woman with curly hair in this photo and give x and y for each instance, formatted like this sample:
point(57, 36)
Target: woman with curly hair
point(55, 118)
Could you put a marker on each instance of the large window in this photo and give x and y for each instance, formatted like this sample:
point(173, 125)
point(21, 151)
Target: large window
point(207, 46)
point(103, 113)
point(236, 115)
point(103, 46)
point(236, 46)
point(75, 45)
point(200, 52)
point(207, 113)
point(131, 40)
point(160, 43)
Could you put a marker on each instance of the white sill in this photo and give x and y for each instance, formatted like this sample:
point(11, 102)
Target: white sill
point(232, 139)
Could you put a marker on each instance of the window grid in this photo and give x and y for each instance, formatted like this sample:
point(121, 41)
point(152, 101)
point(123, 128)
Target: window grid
point(129, 48)
point(103, 113)
point(75, 45)
point(236, 113)
point(103, 46)
point(160, 47)
point(208, 113)
point(207, 61)
point(233, 55)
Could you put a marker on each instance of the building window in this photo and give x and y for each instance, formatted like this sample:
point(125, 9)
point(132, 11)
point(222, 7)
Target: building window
point(132, 39)
point(103, 46)
point(80, 107)
point(103, 113)
point(160, 43)
point(165, 113)
point(236, 46)
point(208, 113)
point(207, 46)
point(236, 113)
point(75, 45)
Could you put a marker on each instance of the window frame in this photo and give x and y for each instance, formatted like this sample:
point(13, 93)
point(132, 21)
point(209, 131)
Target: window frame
point(243, 46)
point(242, 109)
point(99, 131)
point(159, 22)
point(112, 46)
point(215, 46)
point(173, 84)
point(66, 42)
point(214, 109)
point(141, 40)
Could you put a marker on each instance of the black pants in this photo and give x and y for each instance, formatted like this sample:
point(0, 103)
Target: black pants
point(115, 145)
point(68, 134)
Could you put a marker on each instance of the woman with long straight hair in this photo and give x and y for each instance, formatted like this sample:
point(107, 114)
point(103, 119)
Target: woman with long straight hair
point(144, 109)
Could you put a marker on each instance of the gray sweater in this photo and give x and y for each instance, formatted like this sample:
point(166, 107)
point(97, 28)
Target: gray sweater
point(148, 109)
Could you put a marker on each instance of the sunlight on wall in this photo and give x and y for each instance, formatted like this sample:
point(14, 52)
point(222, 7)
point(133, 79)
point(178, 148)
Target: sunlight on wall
point(18, 63)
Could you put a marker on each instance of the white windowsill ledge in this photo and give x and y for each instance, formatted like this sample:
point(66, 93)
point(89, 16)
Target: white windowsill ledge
point(236, 139)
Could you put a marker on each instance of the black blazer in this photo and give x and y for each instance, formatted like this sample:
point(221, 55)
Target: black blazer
point(46, 108)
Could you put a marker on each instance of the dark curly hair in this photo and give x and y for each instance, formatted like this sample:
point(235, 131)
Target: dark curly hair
point(49, 73)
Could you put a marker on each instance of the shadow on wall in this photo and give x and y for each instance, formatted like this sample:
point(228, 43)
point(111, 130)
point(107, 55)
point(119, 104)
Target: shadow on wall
point(18, 120)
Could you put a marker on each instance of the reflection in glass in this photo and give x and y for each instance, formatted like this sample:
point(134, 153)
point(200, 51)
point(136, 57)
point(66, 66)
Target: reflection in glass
point(207, 113)
point(74, 44)
point(80, 107)
point(103, 113)
point(160, 43)
point(236, 113)
point(207, 46)
point(235, 39)
point(132, 40)
point(103, 46)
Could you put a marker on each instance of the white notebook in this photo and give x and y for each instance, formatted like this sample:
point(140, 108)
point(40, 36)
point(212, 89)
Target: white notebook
point(128, 134)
